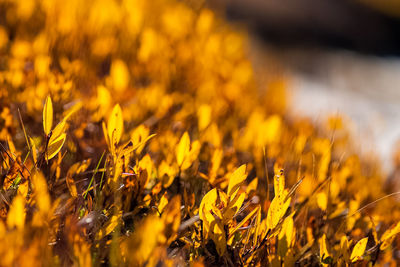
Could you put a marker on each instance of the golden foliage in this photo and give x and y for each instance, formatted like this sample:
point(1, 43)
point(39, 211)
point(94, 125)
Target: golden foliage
point(165, 151)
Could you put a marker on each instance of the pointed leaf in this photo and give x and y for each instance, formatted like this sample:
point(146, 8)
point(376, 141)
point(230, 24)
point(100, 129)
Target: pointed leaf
point(359, 250)
point(323, 251)
point(55, 146)
point(389, 235)
point(68, 113)
point(277, 210)
point(235, 180)
point(115, 125)
point(58, 130)
point(183, 148)
point(47, 116)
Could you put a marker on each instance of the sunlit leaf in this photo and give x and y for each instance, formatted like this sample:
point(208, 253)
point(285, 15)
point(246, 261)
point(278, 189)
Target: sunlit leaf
point(47, 116)
point(234, 206)
point(138, 136)
point(344, 248)
point(172, 218)
point(324, 253)
point(71, 111)
point(322, 200)
point(109, 227)
point(358, 250)
point(163, 203)
point(235, 180)
point(205, 209)
point(258, 227)
point(252, 186)
point(76, 168)
point(167, 173)
point(58, 131)
point(71, 186)
point(277, 210)
point(105, 132)
point(115, 125)
point(204, 115)
point(183, 148)
point(279, 182)
point(286, 236)
point(389, 235)
point(55, 146)
point(34, 149)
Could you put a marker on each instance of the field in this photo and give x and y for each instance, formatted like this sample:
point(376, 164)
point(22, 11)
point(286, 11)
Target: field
point(133, 133)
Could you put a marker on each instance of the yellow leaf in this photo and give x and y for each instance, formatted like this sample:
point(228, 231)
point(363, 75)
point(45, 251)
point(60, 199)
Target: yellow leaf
point(139, 146)
point(286, 236)
point(68, 113)
point(33, 148)
point(287, 230)
point(163, 203)
point(234, 206)
point(205, 208)
point(71, 186)
point(324, 254)
point(204, 115)
point(277, 210)
point(55, 146)
point(112, 224)
point(172, 218)
point(167, 173)
point(258, 229)
point(247, 218)
point(105, 132)
point(252, 186)
point(359, 250)
point(215, 164)
point(16, 214)
point(76, 168)
point(47, 116)
point(146, 163)
point(235, 180)
point(279, 182)
point(322, 200)
point(58, 130)
point(139, 135)
point(389, 235)
point(217, 234)
point(183, 148)
point(191, 156)
point(109, 227)
point(344, 248)
point(211, 215)
point(115, 125)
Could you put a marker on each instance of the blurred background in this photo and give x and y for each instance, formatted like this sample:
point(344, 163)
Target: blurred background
point(341, 57)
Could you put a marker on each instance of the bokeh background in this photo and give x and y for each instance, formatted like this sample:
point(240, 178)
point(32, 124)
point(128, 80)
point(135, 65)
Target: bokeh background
point(339, 57)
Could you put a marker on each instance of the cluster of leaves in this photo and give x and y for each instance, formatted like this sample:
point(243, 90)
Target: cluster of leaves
point(166, 152)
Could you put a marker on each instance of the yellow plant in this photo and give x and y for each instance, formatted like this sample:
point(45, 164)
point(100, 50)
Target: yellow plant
point(166, 152)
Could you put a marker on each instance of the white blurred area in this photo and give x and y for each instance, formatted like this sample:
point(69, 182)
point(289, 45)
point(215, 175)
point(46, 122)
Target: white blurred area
point(364, 89)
